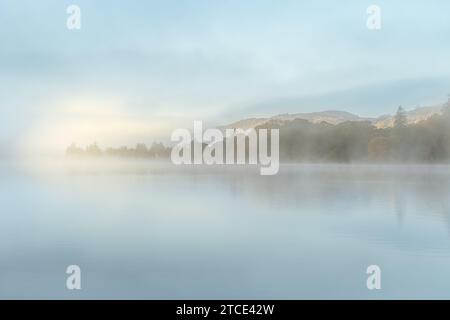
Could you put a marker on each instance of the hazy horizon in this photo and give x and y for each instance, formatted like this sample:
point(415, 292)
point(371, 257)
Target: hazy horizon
point(134, 72)
point(165, 127)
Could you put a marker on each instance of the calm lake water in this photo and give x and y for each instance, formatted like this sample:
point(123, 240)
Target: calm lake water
point(153, 231)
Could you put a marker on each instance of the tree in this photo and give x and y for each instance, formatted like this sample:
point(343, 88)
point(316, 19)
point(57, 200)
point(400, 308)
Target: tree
point(379, 149)
point(158, 150)
point(73, 150)
point(446, 109)
point(141, 150)
point(401, 119)
point(93, 150)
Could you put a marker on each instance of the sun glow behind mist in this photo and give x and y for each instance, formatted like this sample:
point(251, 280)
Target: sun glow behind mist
point(85, 121)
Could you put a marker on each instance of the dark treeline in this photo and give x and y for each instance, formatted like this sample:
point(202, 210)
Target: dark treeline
point(157, 150)
point(302, 141)
point(427, 141)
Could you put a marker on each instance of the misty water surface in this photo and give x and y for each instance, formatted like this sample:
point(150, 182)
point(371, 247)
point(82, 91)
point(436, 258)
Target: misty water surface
point(143, 230)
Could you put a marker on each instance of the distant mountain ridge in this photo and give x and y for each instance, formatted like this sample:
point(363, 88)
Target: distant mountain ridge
point(414, 116)
point(336, 117)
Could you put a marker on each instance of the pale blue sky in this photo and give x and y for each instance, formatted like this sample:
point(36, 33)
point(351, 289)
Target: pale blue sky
point(218, 60)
